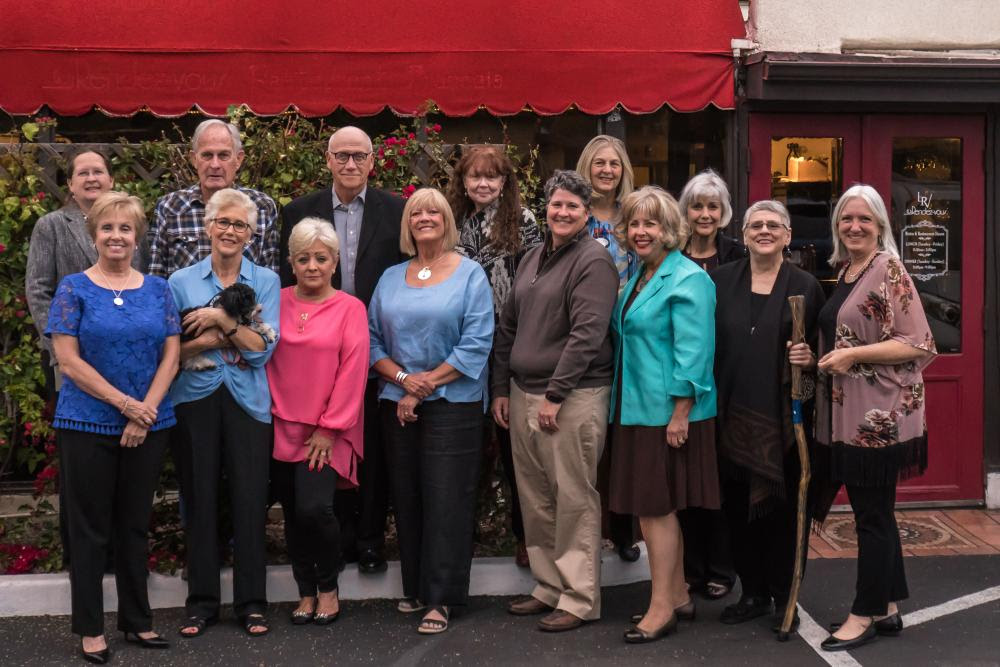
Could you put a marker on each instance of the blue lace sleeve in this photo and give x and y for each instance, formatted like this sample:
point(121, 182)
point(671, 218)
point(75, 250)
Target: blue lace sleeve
point(64, 312)
point(170, 313)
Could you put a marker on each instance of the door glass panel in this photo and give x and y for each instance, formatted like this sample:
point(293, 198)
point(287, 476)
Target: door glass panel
point(807, 177)
point(927, 223)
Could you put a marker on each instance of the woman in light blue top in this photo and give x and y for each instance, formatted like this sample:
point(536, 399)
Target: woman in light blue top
point(431, 324)
point(224, 415)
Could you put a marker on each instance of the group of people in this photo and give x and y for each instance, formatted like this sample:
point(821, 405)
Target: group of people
point(626, 352)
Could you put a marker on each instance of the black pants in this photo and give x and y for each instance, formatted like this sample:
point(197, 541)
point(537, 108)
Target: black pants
point(764, 548)
point(362, 511)
point(312, 531)
point(881, 578)
point(434, 467)
point(708, 553)
point(218, 434)
point(109, 499)
point(507, 463)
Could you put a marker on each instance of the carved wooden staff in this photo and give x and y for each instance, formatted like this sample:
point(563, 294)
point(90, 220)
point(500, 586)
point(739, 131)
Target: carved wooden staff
point(797, 306)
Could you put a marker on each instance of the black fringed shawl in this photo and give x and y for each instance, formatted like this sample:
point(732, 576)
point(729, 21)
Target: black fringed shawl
point(753, 379)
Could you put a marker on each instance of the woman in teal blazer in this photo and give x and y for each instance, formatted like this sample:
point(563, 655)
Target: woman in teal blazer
point(663, 426)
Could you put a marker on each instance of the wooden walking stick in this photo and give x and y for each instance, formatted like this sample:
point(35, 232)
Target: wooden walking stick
point(797, 306)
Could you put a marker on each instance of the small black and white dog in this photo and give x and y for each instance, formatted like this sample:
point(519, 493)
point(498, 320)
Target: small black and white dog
point(240, 303)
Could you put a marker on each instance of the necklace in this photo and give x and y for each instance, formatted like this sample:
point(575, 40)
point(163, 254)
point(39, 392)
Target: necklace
point(861, 267)
point(118, 300)
point(425, 272)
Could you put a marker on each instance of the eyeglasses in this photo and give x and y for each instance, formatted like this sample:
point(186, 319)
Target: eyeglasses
point(771, 226)
point(342, 157)
point(225, 223)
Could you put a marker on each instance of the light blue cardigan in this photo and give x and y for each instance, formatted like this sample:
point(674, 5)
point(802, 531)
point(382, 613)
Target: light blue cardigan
point(666, 345)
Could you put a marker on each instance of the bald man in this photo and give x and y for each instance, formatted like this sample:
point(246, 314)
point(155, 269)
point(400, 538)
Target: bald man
point(367, 223)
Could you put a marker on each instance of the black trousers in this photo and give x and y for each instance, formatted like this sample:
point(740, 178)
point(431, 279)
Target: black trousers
point(434, 467)
point(881, 578)
point(507, 464)
point(764, 548)
point(312, 532)
point(708, 555)
point(362, 511)
point(216, 435)
point(109, 500)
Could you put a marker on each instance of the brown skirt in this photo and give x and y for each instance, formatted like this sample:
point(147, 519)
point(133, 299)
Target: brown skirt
point(651, 478)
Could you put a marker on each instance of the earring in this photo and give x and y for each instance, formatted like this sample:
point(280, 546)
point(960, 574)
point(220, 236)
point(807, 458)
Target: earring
point(879, 241)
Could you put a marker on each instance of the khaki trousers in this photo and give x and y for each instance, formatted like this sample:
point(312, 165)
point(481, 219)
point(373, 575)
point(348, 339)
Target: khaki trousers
point(557, 483)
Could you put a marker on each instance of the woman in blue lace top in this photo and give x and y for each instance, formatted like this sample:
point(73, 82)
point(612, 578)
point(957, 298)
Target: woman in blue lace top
point(115, 335)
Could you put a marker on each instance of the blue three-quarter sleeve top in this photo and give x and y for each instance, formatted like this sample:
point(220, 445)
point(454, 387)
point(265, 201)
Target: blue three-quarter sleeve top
point(123, 343)
point(421, 327)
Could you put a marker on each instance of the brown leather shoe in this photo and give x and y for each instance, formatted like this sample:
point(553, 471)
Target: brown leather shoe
point(559, 621)
point(527, 606)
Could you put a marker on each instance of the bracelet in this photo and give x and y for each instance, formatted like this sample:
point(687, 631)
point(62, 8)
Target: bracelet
point(124, 405)
point(401, 377)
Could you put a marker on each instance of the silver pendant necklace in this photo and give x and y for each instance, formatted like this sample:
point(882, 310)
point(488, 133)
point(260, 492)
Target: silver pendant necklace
point(118, 300)
point(425, 272)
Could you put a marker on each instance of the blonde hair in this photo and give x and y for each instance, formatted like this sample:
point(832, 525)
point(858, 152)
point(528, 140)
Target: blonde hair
point(626, 185)
point(418, 200)
point(230, 197)
point(113, 202)
point(657, 204)
point(873, 199)
point(309, 230)
point(708, 185)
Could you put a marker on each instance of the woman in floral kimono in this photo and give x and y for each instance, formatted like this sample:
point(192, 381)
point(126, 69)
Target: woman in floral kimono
point(874, 343)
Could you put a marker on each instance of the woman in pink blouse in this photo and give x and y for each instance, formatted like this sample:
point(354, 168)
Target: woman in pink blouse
point(317, 376)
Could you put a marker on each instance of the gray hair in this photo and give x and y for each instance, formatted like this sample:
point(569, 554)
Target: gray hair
point(772, 206)
point(368, 139)
point(309, 230)
point(571, 182)
point(708, 185)
point(226, 198)
point(873, 199)
point(234, 133)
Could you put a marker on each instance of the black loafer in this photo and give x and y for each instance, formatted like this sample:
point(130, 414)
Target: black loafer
point(831, 643)
point(371, 562)
point(745, 610)
point(890, 626)
point(629, 554)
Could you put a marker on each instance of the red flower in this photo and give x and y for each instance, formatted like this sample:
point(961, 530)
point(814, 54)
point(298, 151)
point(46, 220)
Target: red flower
point(391, 141)
point(27, 425)
point(402, 151)
point(437, 127)
point(381, 151)
point(19, 313)
point(390, 164)
point(24, 201)
point(3, 248)
point(411, 135)
point(50, 449)
point(409, 190)
point(40, 196)
point(371, 174)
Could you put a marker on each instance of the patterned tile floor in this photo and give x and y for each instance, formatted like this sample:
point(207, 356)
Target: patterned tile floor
point(945, 532)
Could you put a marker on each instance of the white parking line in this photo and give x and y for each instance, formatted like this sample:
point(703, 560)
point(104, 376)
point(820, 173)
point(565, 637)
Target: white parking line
point(813, 634)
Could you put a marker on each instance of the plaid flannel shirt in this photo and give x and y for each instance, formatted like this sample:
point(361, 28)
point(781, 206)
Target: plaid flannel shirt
point(176, 240)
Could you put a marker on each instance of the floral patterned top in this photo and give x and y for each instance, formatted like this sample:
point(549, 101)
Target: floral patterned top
point(873, 417)
point(499, 265)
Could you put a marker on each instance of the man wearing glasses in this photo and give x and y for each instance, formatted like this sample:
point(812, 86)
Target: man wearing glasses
point(367, 222)
point(176, 237)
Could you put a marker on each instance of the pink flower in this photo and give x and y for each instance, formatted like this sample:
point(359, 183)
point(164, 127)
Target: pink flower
point(437, 127)
point(19, 313)
point(2, 247)
point(24, 201)
point(28, 425)
point(402, 151)
point(40, 196)
point(391, 141)
point(411, 135)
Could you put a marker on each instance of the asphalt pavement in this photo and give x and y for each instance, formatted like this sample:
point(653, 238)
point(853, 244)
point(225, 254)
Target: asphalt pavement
point(954, 609)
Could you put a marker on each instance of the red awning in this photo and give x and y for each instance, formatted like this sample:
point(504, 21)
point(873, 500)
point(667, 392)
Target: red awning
point(503, 55)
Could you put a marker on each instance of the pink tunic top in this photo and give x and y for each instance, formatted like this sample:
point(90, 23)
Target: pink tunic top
point(317, 376)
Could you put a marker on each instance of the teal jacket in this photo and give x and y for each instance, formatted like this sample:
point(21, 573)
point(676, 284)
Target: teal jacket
point(666, 345)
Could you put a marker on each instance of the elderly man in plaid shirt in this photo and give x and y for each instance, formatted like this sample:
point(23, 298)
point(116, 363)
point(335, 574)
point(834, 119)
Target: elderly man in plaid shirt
point(176, 238)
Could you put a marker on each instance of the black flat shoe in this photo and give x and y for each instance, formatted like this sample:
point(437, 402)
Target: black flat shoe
point(686, 612)
point(637, 636)
point(371, 562)
point(302, 617)
point(745, 610)
point(629, 553)
point(97, 657)
point(326, 619)
point(831, 643)
point(890, 626)
point(146, 642)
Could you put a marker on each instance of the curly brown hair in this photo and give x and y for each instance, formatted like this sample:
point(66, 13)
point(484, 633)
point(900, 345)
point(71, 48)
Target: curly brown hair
point(505, 233)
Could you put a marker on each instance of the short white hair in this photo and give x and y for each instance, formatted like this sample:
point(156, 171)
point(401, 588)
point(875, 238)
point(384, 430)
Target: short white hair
point(309, 230)
point(226, 198)
point(708, 185)
point(771, 206)
point(871, 197)
point(234, 133)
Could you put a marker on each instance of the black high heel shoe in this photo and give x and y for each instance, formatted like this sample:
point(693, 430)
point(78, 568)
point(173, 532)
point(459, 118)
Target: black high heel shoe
point(97, 657)
point(146, 642)
point(637, 636)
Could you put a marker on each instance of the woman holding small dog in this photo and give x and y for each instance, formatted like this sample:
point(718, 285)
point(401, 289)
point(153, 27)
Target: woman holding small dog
point(224, 415)
point(431, 324)
point(319, 424)
point(115, 335)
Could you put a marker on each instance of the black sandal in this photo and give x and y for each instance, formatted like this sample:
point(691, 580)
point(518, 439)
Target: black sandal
point(432, 626)
point(255, 621)
point(199, 623)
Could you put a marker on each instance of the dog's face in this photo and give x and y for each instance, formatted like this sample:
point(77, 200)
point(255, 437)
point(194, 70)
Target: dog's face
point(238, 300)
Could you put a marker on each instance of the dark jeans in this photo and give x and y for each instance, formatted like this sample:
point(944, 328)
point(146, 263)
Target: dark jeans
point(109, 500)
point(507, 463)
point(764, 548)
point(312, 531)
point(218, 434)
point(362, 511)
point(881, 578)
point(708, 553)
point(434, 467)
